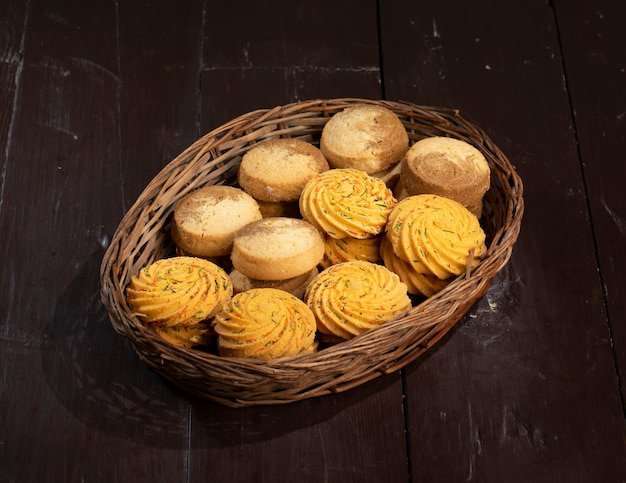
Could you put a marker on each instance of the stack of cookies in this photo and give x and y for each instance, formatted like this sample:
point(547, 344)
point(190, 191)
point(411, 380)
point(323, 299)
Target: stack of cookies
point(276, 252)
point(317, 245)
point(177, 297)
point(265, 323)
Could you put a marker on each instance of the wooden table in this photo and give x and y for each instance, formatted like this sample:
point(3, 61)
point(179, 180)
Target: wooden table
point(97, 96)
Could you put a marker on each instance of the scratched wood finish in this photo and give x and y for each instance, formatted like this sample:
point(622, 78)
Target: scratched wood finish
point(507, 392)
point(595, 60)
point(13, 351)
point(95, 97)
point(77, 404)
point(299, 50)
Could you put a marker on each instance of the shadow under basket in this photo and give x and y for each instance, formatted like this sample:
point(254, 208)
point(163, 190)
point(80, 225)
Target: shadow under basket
point(143, 237)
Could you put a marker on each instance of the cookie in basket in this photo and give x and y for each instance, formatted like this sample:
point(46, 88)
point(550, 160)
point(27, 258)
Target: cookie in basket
point(277, 248)
point(347, 202)
point(436, 235)
point(206, 220)
point(174, 296)
point(367, 137)
point(265, 323)
point(275, 171)
point(351, 298)
point(447, 167)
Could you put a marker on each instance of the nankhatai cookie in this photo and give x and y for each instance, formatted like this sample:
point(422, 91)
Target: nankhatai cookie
point(277, 248)
point(265, 323)
point(276, 170)
point(436, 235)
point(178, 291)
point(447, 167)
point(347, 202)
point(206, 220)
point(350, 298)
point(367, 137)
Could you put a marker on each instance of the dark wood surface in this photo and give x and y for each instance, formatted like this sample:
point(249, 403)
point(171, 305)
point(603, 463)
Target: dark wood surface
point(96, 97)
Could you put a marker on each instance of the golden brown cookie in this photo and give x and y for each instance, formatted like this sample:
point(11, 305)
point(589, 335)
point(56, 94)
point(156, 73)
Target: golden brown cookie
point(206, 220)
point(276, 170)
point(277, 248)
point(447, 167)
point(367, 137)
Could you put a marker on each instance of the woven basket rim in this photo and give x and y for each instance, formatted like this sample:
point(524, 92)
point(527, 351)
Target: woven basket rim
point(217, 152)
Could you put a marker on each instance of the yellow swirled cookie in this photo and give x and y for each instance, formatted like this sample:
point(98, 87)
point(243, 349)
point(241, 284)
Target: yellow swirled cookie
point(350, 298)
point(435, 235)
point(265, 323)
point(347, 202)
point(339, 250)
point(178, 291)
point(418, 282)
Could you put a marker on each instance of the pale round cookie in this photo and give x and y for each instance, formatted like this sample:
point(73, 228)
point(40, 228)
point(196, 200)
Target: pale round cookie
point(366, 137)
point(277, 169)
point(447, 167)
point(206, 220)
point(277, 248)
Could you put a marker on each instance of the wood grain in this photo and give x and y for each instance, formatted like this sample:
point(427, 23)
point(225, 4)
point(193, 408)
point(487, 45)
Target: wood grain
point(96, 97)
point(284, 52)
point(539, 338)
point(595, 64)
point(79, 397)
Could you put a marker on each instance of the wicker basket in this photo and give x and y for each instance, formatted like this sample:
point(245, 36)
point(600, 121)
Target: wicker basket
point(143, 237)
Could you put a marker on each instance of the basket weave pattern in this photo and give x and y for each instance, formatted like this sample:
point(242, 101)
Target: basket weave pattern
point(143, 237)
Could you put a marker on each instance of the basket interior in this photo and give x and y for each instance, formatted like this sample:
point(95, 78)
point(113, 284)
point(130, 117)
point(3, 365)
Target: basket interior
point(143, 237)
